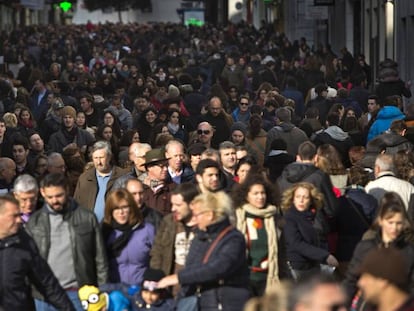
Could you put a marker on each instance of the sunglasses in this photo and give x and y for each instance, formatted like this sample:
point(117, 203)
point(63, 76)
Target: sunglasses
point(244, 104)
point(205, 132)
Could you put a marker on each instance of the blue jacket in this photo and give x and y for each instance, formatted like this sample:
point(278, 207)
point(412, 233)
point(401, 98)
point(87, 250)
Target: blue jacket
point(130, 265)
point(385, 116)
point(227, 263)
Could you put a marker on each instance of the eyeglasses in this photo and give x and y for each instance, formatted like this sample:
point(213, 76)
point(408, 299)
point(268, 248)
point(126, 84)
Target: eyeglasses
point(204, 132)
point(244, 104)
point(121, 208)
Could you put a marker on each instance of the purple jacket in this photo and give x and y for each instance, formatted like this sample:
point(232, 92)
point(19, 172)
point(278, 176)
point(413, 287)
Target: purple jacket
point(130, 265)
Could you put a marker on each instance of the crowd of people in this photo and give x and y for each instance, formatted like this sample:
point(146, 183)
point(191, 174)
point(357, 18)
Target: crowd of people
point(163, 167)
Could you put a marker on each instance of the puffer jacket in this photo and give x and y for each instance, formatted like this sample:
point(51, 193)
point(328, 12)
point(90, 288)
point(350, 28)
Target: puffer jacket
point(20, 260)
point(89, 256)
point(385, 116)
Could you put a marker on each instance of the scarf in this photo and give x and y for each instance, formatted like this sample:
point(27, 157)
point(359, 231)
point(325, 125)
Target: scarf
point(173, 128)
point(115, 248)
point(70, 135)
point(272, 237)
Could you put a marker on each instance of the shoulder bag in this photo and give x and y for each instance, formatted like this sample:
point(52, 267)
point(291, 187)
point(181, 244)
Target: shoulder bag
point(191, 303)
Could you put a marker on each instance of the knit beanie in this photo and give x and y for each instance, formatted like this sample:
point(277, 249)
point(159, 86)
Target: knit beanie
point(387, 263)
point(68, 110)
point(239, 126)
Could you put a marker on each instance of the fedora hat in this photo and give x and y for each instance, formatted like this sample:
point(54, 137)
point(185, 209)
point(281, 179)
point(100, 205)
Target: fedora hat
point(155, 156)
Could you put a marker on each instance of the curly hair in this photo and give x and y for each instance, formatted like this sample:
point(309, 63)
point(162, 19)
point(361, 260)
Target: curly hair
point(241, 191)
point(404, 165)
point(317, 198)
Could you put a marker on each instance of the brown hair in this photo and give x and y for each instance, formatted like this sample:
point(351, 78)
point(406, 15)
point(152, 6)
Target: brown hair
point(112, 201)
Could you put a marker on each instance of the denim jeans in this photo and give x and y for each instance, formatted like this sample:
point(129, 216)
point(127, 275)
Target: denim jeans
point(73, 296)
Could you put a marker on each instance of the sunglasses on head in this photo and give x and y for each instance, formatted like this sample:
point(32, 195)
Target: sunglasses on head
point(205, 132)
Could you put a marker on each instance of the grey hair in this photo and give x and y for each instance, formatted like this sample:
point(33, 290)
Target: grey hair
point(173, 142)
point(52, 157)
point(227, 145)
point(385, 162)
point(25, 183)
point(101, 144)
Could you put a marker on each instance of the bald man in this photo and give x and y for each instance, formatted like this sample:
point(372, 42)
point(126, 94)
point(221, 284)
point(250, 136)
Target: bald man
point(7, 175)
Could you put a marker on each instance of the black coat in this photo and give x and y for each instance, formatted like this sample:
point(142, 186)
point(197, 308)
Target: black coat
point(355, 215)
point(21, 262)
point(227, 262)
point(221, 128)
point(300, 172)
point(302, 243)
point(403, 243)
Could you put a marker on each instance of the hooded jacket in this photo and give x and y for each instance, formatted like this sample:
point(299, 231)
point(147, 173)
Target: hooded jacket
point(336, 137)
point(292, 135)
point(385, 116)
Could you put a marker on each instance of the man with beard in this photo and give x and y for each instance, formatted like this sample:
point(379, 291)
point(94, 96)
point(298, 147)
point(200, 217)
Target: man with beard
point(69, 134)
point(208, 176)
point(69, 238)
point(174, 236)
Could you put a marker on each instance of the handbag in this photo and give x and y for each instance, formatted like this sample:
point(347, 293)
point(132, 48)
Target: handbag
point(191, 303)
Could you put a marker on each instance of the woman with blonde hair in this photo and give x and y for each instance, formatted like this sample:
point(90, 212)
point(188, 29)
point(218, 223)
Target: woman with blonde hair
point(127, 237)
point(215, 275)
point(303, 252)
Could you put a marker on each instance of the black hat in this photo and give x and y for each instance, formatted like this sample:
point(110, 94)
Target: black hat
point(155, 156)
point(151, 278)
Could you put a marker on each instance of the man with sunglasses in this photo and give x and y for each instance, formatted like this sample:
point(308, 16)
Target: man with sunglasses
point(242, 112)
point(205, 133)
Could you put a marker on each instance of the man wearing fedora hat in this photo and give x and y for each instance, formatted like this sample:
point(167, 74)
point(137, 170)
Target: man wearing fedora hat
point(157, 192)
